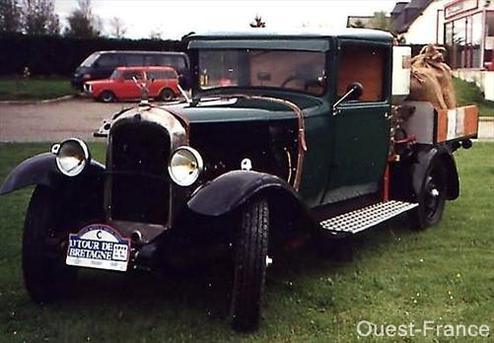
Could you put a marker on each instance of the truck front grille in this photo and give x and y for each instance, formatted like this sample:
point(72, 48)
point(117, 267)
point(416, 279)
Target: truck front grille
point(139, 185)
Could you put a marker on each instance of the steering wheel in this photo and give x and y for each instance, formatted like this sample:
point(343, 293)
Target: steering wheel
point(307, 83)
point(294, 78)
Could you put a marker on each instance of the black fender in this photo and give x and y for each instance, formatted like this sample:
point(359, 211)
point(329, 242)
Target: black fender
point(42, 170)
point(230, 190)
point(424, 160)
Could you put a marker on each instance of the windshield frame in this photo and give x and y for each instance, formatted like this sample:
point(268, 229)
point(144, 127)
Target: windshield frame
point(325, 84)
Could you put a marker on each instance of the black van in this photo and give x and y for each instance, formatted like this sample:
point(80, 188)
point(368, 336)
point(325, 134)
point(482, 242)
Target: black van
point(100, 64)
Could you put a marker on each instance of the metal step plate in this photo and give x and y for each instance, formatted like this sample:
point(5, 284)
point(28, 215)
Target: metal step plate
point(366, 217)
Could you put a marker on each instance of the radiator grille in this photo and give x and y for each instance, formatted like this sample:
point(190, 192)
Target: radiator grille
point(138, 174)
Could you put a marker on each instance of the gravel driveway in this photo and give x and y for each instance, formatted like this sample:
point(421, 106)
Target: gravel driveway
point(55, 121)
point(52, 122)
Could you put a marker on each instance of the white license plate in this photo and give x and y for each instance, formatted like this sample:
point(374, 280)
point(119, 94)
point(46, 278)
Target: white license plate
point(98, 246)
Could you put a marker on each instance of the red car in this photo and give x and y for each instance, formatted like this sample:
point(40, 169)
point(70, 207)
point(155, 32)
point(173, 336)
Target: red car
point(121, 84)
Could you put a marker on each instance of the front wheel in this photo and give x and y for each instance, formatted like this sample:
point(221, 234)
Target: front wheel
point(250, 266)
point(107, 96)
point(432, 197)
point(46, 276)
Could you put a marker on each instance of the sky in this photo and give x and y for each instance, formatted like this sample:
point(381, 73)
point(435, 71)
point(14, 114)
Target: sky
point(173, 19)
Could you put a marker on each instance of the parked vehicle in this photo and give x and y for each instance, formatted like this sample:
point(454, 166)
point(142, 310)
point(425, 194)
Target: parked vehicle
point(287, 136)
point(162, 84)
point(101, 64)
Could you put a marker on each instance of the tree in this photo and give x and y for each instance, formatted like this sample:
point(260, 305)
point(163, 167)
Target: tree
point(258, 22)
point(39, 18)
point(10, 16)
point(82, 22)
point(118, 28)
point(156, 34)
point(380, 21)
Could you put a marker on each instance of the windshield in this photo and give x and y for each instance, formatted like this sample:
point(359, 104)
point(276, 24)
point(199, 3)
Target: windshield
point(115, 75)
point(297, 70)
point(90, 60)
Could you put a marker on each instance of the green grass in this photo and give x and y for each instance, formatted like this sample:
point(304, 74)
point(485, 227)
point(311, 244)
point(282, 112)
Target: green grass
point(467, 93)
point(34, 89)
point(398, 276)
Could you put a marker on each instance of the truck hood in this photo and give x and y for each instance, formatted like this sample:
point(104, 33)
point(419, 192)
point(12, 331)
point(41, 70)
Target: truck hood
point(239, 110)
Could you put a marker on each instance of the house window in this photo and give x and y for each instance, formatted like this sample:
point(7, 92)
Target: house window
point(489, 40)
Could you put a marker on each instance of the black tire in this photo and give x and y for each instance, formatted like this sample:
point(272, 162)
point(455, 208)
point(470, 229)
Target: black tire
point(46, 277)
point(432, 197)
point(167, 95)
point(107, 96)
point(250, 266)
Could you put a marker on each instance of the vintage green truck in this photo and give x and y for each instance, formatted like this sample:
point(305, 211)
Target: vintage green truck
point(284, 135)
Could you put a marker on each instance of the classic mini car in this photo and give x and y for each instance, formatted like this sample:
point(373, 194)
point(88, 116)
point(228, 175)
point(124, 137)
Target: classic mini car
point(122, 84)
point(285, 136)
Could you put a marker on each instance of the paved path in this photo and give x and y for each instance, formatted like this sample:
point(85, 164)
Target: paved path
point(486, 130)
point(53, 122)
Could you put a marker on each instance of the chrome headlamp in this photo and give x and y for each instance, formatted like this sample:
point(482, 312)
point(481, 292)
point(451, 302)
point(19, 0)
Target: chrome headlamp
point(185, 166)
point(72, 156)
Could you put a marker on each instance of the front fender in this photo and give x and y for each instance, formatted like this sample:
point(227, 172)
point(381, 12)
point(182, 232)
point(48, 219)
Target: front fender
point(230, 190)
point(41, 170)
point(424, 160)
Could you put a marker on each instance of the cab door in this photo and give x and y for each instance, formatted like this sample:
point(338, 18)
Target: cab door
point(127, 88)
point(360, 128)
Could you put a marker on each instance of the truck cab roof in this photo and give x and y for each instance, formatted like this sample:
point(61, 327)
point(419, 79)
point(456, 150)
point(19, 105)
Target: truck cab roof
point(254, 34)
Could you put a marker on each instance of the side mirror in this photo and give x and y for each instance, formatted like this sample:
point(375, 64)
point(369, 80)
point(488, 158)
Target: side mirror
point(354, 91)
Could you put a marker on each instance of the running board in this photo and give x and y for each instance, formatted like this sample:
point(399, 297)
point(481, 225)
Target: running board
point(366, 217)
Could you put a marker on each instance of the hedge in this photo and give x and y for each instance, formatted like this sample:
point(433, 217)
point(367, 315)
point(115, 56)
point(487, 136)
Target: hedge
point(54, 55)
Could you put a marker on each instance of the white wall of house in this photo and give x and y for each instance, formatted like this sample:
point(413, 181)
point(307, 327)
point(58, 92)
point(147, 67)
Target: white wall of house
point(426, 28)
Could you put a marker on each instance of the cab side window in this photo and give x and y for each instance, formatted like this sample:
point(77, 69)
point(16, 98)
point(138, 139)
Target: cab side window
point(134, 60)
point(129, 75)
point(151, 60)
point(161, 75)
point(365, 64)
point(107, 60)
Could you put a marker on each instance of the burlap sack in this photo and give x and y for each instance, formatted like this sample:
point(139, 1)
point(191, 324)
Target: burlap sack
point(424, 86)
point(432, 59)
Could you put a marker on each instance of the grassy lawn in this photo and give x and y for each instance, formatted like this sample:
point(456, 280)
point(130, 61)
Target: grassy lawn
point(468, 93)
point(34, 89)
point(398, 276)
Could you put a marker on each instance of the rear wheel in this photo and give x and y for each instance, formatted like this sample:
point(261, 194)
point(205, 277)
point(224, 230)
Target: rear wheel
point(46, 276)
point(250, 266)
point(107, 96)
point(432, 197)
point(167, 95)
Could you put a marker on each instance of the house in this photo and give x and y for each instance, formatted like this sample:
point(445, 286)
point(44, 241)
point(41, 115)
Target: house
point(464, 27)
point(419, 21)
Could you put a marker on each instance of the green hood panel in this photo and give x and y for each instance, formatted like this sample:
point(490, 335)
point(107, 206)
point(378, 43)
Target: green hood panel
point(238, 111)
